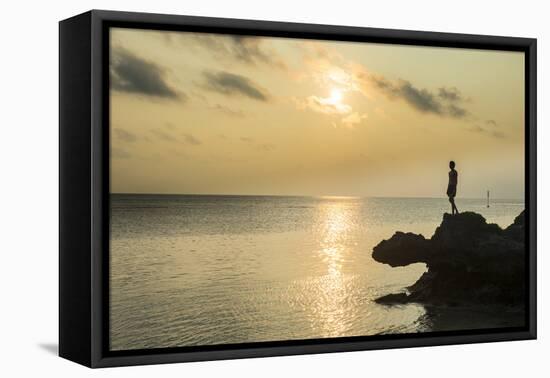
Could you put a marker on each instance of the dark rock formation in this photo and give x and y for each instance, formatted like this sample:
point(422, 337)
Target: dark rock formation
point(469, 261)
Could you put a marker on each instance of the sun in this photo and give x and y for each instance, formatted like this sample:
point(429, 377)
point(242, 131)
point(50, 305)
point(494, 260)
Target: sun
point(335, 96)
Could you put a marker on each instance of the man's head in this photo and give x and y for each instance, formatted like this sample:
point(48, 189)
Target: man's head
point(452, 164)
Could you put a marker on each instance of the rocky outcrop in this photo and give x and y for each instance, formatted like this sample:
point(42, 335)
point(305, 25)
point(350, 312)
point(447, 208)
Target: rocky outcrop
point(469, 262)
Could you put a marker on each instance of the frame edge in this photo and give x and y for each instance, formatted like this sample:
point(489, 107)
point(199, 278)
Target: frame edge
point(74, 189)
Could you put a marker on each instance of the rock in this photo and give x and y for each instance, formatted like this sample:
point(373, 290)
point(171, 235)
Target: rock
point(469, 261)
point(516, 230)
point(398, 298)
point(402, 249)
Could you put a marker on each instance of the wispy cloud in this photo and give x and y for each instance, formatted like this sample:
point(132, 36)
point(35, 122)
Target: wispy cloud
point(353, 119)
point(265, 147)
point(169, 133)
point(163, 135)
point(190, 139)
point(490, 128)
point(166, 132)
point(445, 103)
point(249, 50)
point(124, 135)
point(451, 94)
point(456, 111)
point(134, 75)
point(334, 107)
point(245, 49)
point(322, 105)
point(232, 84)
point(228, 111)
point(119, 153)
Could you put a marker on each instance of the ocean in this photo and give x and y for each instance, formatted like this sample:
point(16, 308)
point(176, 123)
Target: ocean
point(189, 270)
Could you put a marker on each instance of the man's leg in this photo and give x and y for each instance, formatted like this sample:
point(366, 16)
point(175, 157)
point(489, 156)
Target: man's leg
point(455, 210)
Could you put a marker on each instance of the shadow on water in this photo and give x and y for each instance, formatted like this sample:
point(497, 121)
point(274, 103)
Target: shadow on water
point(451, 318)
point(51, 348)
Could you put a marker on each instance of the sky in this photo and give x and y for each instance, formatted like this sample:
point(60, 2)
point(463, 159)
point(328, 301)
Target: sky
point(196, 113)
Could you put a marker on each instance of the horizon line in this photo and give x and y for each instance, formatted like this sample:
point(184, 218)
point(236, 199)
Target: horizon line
point(302, 195)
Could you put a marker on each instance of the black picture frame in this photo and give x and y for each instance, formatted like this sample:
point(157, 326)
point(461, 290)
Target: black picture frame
point(84, 186)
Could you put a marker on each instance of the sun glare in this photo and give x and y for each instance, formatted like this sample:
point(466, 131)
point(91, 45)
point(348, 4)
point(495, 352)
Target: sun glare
point(335, 96)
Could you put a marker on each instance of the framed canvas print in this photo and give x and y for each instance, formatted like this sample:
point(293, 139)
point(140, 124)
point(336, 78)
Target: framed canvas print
point(234, 188)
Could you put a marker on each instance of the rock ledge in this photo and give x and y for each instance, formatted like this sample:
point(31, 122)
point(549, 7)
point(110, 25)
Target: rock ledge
point(469, 261)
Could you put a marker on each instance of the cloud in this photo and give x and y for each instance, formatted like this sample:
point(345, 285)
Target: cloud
point(420, 99)
point(228, 111)
point(446, 103)
point(456, 111)
point(134, 75)
point(450, 94)
point(488, 131)
point(322, 105)
point(190, 139)
point(231, 84)
point(353, 119)
point(163, 135)
point(118, 153)
point(266, 147)
point(245, 49)
point(167, 136)
point(333, 107)
point(490, 128)
point(124, 135)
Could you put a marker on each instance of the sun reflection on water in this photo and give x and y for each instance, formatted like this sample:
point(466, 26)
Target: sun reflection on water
point(333, 309)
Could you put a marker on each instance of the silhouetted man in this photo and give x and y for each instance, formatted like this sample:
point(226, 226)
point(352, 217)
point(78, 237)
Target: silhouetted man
point(451, 188)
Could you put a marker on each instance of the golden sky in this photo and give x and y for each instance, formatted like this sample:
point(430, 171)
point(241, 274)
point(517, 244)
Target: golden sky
point(216, 114)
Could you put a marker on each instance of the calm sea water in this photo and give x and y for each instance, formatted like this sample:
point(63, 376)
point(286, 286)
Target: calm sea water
point(205, 270)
